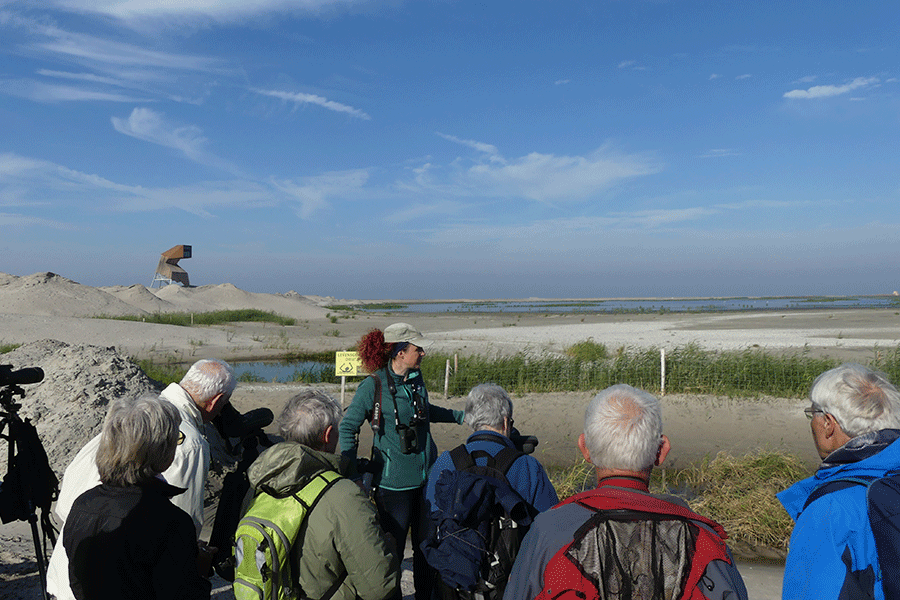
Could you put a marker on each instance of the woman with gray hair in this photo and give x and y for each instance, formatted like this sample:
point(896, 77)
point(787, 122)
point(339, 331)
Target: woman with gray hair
point(340, 551)
point(124, 538)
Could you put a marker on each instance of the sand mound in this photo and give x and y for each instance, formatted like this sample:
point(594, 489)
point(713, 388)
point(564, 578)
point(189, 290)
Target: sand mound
point(68, 406)
point(50, 294)
point(140, 297)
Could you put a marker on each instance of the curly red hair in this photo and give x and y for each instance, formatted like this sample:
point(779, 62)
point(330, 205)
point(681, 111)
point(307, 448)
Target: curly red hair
point(373, 351)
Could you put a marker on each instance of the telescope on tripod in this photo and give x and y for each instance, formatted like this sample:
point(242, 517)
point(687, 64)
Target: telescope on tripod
point(30, 484)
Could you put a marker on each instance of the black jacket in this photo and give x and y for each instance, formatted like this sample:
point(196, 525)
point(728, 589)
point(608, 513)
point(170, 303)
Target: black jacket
point(132, 542)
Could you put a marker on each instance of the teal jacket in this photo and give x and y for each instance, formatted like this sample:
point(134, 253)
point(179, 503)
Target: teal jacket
point(399, 471)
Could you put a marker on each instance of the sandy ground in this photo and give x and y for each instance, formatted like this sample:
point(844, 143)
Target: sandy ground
point(48, 306)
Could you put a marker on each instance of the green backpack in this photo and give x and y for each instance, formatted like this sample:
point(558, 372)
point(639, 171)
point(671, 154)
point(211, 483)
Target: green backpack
point(263, 541)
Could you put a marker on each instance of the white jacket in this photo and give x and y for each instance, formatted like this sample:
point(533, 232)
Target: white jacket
point(189, 470)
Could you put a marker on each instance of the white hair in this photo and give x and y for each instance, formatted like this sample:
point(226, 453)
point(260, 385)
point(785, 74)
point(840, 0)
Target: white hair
point(487, 405)
point(207, 378)
point(623, 428)
point(307, 415)
point(860, 399)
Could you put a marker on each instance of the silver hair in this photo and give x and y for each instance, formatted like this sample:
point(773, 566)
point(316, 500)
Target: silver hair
point(860, 399)
point(138, 441)
point(486, 406)
point(307, 415)
point(623, 428)
point(207, 378)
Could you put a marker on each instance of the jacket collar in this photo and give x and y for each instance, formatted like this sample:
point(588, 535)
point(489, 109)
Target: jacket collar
point(861, 447)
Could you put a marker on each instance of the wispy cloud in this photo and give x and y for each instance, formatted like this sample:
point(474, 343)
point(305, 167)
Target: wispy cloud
point(187, 11)
point(102, 64)
point(807, 79)
point(714, 76)
point(627, 63)
point(744, 76)
point(16, 220)
point(312, 193)
point(827, 91)
point(488, 149)
point(536, 176)
point(719, 153)
point(299, 98)
point(89, 77)
point(50, 92)
point(151, 126)
point(420, 211)
point(30, 182)
point(562, 81)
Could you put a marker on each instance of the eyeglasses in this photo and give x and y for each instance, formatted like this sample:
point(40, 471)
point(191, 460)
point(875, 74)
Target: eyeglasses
point(812, 410)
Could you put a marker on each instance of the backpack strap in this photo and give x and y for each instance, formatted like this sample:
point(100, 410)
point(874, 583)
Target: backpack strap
point(501, 461)
point(608, 498)
point(504, 459)
point(309, 496)
point(838, 484)
point(462, 460)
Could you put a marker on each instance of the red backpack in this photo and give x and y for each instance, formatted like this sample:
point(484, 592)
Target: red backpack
point(634, 546)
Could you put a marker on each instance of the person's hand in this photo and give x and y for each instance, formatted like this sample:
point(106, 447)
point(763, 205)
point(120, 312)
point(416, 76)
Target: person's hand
point(205, 558)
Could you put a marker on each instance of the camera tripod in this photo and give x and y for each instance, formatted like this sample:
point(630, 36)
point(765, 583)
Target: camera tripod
point(29, 483)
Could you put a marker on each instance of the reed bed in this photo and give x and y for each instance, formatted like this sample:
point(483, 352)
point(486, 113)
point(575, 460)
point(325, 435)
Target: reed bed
point(217, 317)
point(689, 370)
point(736, 491)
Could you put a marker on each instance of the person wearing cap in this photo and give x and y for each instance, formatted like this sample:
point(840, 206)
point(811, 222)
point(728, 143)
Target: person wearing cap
point(403, 449)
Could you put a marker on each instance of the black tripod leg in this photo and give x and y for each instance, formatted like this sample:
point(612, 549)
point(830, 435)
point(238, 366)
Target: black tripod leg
point(39, 554)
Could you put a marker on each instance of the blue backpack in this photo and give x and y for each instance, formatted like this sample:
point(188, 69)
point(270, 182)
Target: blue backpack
point(477, 525)
point(883, 507)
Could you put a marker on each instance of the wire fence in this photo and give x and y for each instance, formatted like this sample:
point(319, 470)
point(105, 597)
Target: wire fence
point(685, 370)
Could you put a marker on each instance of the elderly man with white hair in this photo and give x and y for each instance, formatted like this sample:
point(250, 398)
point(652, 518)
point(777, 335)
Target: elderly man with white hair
point(854, 416)
point(489, 412)
point(618, 540)
point(199, 397)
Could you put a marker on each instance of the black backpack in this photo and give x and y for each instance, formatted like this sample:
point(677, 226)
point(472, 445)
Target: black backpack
point(883, 508)
point(477, 524)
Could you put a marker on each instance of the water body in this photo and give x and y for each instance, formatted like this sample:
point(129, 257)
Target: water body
point(646, 305)
point(281, 371)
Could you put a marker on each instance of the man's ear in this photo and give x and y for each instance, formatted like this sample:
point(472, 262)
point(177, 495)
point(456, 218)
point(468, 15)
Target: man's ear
point(583, 447)
point(329, 439)
point(663, 452)
point(214, 404)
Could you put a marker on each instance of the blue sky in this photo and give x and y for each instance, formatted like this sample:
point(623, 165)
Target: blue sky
point(450, 149)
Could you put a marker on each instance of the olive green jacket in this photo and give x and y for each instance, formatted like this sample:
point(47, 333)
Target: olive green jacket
point(341, 533)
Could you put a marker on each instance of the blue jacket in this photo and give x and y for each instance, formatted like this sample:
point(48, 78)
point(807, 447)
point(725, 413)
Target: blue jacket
point(832, 552)
point(526, 475)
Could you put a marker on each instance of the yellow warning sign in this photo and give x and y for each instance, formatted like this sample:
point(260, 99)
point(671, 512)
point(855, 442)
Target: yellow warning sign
point(347, 364)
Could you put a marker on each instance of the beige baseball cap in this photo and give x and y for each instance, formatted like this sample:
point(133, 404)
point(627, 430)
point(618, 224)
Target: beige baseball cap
point(404, 332)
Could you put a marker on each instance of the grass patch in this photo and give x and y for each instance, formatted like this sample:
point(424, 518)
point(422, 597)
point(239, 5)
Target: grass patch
point(588, 351)
point(248, 377)
point(217, 317)
point(4, 348)
point(165, 372)
point(737, 491)
point(588, 366)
